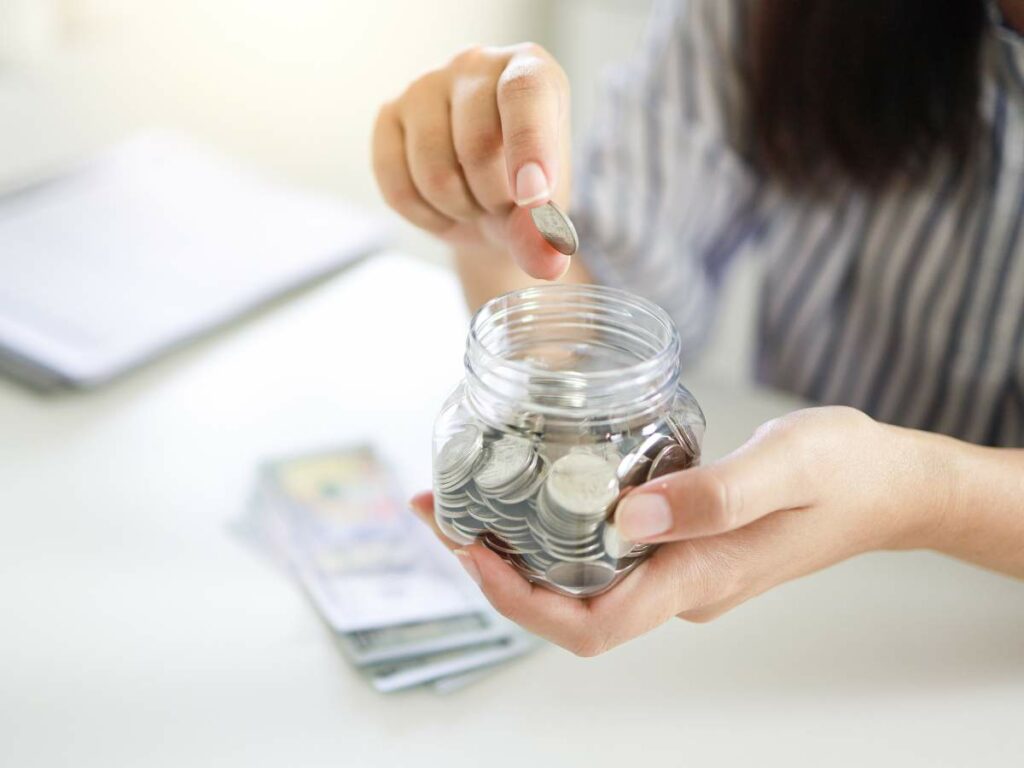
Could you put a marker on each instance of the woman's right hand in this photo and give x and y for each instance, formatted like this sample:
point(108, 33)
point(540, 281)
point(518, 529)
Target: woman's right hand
point(469, 148)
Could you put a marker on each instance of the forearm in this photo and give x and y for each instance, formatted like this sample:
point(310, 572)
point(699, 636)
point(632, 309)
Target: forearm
point(978, 513)
point(486, 273)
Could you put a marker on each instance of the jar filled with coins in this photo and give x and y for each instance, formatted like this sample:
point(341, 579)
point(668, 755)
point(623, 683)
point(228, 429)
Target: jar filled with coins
point(571, 398)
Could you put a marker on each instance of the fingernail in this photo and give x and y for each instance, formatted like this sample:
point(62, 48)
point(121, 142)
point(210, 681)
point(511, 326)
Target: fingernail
point(642, 516)
point(467, 563)
point(531, 185)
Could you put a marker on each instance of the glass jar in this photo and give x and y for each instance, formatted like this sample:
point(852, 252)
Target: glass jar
point(571, 398)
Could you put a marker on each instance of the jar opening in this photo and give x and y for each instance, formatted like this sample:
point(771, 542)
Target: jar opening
point(570, 352)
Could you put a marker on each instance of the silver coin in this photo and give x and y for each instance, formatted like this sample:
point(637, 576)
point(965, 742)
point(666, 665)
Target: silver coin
point(556, 227)
point(558, 524)
point(450, 530)
point(457, 457)
point(467, 527)
point(482, 514)
point(633, 469)
point(540, 561)
point(499, 527)
point(582, 484)
point(452, 514)
point(626, 566)
point(587, 556)
point(581, 577)
point(655, 444)
point(452, 500)
point(616, 546)
point(635, 466)
point(672, 458)
point(518, 511)
point(507, 461)
point(528, 486)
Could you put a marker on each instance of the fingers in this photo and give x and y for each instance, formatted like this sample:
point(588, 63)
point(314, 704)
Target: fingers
point(429, 151)
point(696, 580)
point(765, 475)
point(465, 144)
point(645, 599)
point(422, 504)
point(531, 96)
point(784, 466)
point(476, 135)
point(532, 252)
point(391, 168)
point(556, 617)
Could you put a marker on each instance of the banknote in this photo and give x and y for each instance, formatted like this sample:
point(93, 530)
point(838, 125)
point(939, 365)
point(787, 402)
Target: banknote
point(363, 558)
point(382, 644)
point(401, 609)
point(416, 671)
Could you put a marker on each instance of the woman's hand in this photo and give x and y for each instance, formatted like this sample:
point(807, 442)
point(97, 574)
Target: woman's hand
point(468, 148)
point(806, 491)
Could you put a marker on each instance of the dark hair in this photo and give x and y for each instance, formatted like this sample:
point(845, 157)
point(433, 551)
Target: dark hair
point(866, 89)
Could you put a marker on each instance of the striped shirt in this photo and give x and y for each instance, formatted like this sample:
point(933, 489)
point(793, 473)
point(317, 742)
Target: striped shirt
point(906, 303)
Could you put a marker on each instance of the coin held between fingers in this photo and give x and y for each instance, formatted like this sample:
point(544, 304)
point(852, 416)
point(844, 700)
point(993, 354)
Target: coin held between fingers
point(556, 228)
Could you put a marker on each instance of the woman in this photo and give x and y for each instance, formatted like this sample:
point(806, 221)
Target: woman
point(872, 154)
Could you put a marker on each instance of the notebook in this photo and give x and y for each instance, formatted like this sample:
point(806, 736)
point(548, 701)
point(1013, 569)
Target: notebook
point(152, 243)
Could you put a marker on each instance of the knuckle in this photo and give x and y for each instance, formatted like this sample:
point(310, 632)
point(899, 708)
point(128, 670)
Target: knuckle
point(726, 509)
point(385, 113)
point(532, 50)
point(440, 182)
point(478, 148)
point(472, 57)
point(396, 194)
point(847, 416)
point(423, 86)
point(521, 78)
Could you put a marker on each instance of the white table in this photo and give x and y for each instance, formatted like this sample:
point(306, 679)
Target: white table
point(136, 631)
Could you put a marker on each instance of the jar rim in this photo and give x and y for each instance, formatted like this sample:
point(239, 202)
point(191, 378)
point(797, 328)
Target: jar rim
point(620, 321)
point(625, 298)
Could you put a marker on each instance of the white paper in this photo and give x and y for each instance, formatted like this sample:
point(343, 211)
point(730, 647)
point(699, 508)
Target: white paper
point(153, 242)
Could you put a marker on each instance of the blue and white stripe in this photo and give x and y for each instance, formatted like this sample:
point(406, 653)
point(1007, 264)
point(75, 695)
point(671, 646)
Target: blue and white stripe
point(908, 303)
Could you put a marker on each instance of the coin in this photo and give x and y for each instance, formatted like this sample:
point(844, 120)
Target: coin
point(555, 227)
point(453, 533)
point(507, 461)
point(616, 546)
point(672, 458)
point(635, 466)
point(633, 469)
point(458, 457)
point(582, 484)
point(582, 577)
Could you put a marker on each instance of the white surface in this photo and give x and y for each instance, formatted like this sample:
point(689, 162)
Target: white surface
point(154, 241)
point(136, 631)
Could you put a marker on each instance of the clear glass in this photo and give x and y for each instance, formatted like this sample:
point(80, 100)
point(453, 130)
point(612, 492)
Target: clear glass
point(571, 398)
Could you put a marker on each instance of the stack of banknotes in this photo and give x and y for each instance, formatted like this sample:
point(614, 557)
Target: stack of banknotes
point(403, 611)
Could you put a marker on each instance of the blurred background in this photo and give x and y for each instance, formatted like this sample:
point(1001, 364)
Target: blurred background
point(291, 88)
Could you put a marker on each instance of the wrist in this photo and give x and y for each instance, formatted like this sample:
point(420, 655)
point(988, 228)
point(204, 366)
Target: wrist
point(931, 509)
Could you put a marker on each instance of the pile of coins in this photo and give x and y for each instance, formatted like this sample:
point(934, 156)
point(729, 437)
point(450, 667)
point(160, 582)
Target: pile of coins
point(548, 509)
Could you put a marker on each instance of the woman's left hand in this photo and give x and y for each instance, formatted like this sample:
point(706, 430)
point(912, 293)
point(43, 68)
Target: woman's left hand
point(807, 490)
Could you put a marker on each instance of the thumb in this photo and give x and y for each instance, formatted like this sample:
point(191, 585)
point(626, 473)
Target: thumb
point(530, 251)
point(765, 475)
